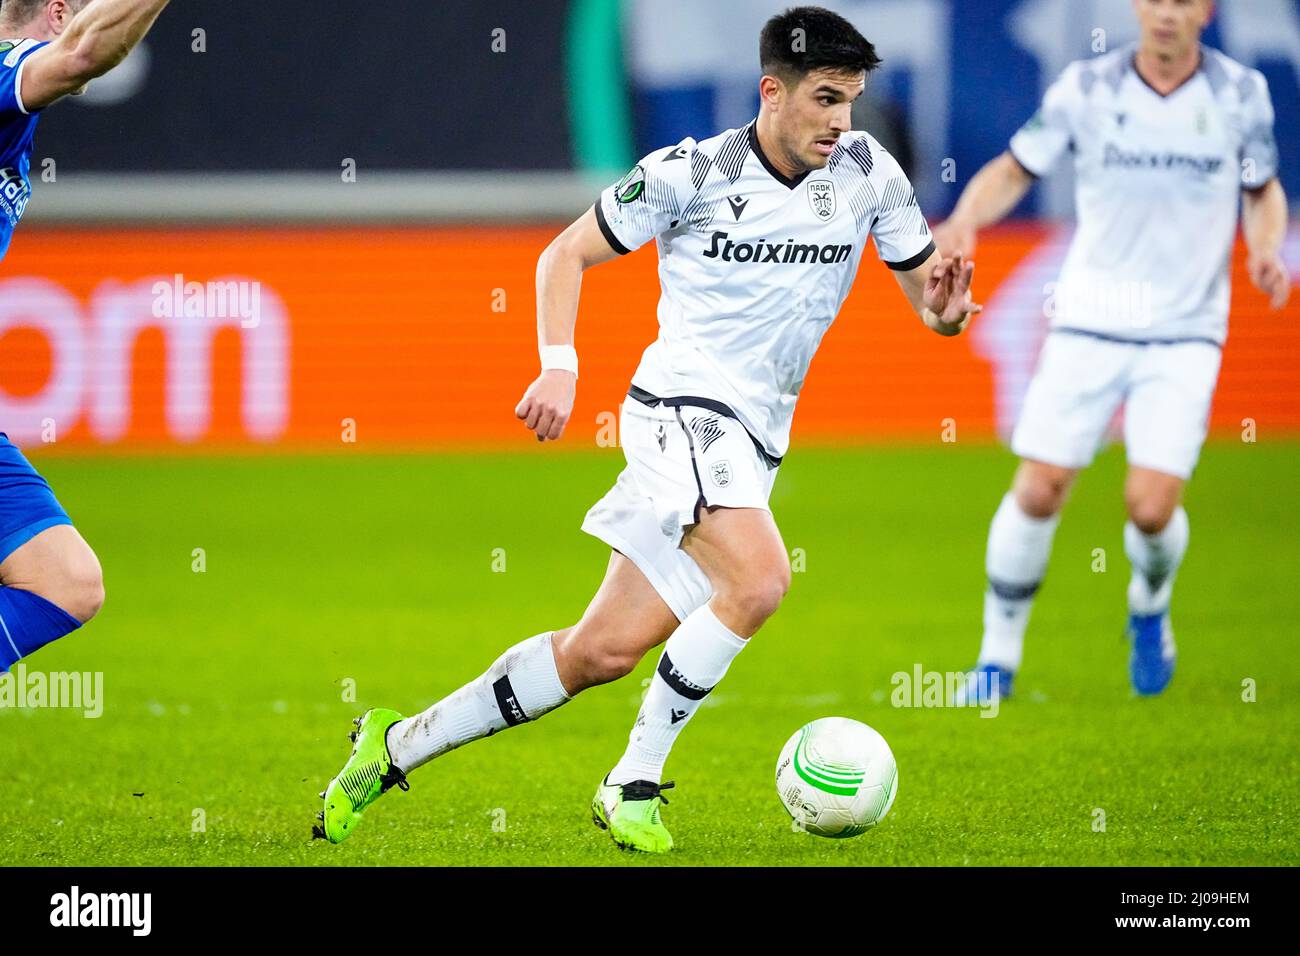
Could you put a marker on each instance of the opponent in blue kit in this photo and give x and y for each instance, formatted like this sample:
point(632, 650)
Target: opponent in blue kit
point(50, 579)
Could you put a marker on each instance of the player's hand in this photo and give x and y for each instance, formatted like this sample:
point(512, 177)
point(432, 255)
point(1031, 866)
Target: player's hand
point(947, 295)
point(548, 403)
point(1270, 276)
point(953, 236)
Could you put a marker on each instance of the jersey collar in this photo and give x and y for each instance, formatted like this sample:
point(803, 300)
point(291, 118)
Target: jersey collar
point(1200, 68)
point(779, 176)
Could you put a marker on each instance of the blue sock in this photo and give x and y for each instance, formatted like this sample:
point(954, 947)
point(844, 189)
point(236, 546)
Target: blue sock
point(27, 623)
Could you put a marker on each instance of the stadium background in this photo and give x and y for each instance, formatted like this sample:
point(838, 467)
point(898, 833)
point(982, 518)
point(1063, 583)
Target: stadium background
point(478, 129)
point(386, 184)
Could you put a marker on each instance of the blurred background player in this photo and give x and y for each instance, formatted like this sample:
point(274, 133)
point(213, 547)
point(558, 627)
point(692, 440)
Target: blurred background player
point(760, 231)
point(1166, 135)
point(50, 579)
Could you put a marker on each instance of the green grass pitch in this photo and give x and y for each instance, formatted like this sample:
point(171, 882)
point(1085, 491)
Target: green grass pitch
point(224, 710)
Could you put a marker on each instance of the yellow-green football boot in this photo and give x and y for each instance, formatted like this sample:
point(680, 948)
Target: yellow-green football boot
point(367, 776)
point(630, 812)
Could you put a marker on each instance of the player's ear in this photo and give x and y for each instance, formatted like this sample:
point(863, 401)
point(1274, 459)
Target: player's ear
point(60, 14)
point(771, 90)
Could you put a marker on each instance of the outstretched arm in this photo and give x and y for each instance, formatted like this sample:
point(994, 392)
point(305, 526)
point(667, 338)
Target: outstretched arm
point(994, 192)
point(1264, 221)
point(939, 291)
point(96, 40)
point(546, 406)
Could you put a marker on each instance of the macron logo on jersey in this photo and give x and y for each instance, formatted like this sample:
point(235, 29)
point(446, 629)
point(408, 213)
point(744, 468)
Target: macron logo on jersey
point(763, 251)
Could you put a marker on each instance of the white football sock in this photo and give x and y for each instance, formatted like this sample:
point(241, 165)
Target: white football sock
point(694, 659)
point(1155, 559)
point(1016, 560)
point(521, 685)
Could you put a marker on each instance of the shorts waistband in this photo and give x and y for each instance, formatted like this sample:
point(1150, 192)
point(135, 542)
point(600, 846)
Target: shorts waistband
point(1122, 340)
point(712, 404)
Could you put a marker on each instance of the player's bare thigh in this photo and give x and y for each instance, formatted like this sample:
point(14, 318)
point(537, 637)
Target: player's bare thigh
point(741, 552)
point(60, 566)
point(1041, 489)
point(625, 619)
point(1151, 498)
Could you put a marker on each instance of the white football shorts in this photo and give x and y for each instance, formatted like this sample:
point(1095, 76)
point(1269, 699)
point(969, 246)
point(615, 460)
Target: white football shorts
point(679, 460)
point(1165, 389)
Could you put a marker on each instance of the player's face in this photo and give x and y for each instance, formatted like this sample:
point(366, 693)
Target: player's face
point(814, 114)
point(1170, 28)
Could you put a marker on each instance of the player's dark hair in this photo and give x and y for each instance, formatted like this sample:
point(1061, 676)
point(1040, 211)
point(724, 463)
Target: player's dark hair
point(803, 39)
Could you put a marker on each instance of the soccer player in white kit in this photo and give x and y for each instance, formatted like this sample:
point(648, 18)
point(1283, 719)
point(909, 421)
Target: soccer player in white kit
point(1165, 135)
point(759, 232)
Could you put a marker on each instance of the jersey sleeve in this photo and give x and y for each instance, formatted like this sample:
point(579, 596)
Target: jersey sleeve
point(649, 200)
point(1258, 147)
point(1040, 142)
point(12, 59)
point(901, 234)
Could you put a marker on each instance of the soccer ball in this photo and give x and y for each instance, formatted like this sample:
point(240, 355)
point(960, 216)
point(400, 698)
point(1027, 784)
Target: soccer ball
point(836, 777)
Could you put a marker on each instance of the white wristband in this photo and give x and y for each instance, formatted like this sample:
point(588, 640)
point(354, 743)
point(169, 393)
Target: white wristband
point(559, 356)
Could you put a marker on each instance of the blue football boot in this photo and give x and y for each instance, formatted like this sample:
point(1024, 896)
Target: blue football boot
point(1151, 664)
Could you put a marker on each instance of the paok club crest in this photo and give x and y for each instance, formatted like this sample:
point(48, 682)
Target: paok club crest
point(821, 196)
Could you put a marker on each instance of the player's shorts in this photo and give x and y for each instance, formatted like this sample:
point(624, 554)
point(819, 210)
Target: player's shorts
point(1082, 380)
point(27, 505)
point(679, 460)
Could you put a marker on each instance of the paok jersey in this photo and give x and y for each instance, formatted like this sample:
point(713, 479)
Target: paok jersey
point(753, 266)
point(16, 129)
point(1159, 179)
